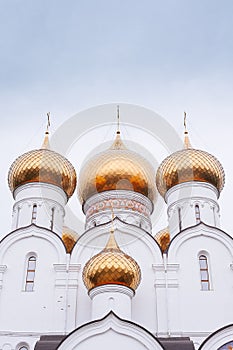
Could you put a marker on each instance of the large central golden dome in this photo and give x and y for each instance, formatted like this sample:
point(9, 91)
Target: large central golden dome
point(117, 168)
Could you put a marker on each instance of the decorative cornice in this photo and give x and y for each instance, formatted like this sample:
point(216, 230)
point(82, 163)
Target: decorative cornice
point(191, 184)
point(118, 204)
point(192, 200)
point(170, 267)
point(63, 267)
point(111, 288)
point(40, 185)
point(117, 194)
point(170, 281)
point(40, 201)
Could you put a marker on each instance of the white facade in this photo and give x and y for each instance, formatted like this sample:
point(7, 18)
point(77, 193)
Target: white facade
point(170, 301)
point(190, 203)
point(48, 202)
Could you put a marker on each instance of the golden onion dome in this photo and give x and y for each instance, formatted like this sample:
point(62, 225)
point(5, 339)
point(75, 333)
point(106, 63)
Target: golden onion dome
point(189, 164)
point(117, 168)
point(163, 238)
point(69, 238)
point(111, 266)
point(43, 165)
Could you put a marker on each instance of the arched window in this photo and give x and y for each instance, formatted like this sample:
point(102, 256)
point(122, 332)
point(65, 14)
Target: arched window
point(179, 218)
point(52, 219)
point(30, 275)
point(205, 283)
point(34, 213)
point(197, 214)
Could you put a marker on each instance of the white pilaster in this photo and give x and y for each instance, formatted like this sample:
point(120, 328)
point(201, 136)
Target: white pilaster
point(66, 280)
point(166, 291)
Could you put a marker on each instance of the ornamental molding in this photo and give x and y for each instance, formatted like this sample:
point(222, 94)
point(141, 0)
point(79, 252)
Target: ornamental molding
point(116, 194)
point(165, 275)
point(192, 184)
point(39, 186)
point(40, 202)
point(194, 335)
point(64, 268)
point(131, 218)
point(169, 267)
point(35, 335)
point(111, 288)
point(169, 284)
point(115, 197)
point(65, 275)
point(118, 204)
point(183, 202)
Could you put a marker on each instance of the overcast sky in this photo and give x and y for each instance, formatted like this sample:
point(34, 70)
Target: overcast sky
point(66, 56)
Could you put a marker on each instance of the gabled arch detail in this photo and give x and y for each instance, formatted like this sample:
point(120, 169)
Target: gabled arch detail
point(30, 231)
point(195, 231)
point(110, 322)
point(125, 229)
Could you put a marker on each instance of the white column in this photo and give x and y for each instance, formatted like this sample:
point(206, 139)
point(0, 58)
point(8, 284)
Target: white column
point(167, 301)
point(111, 297)
point(186, 199)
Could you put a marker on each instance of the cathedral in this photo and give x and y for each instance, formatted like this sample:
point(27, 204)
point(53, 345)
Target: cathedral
point(117, 284)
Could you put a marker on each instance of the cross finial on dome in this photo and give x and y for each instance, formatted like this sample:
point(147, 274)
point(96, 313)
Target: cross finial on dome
point(112, 244)
point(46, 144)
point(118, 119)
point(118, 144)
point(48, 123)
point(187, 143)
point(185, 125)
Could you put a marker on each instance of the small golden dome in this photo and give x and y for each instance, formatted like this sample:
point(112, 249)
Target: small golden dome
point(187, 165)
point(69, 238)
point(111, 266)
point(43, 165)
point(117, 168)
point(163, 238)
